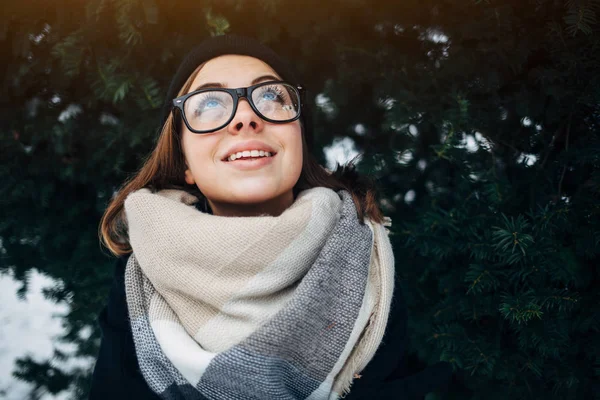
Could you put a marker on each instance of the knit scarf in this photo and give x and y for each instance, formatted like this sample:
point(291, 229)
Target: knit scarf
point(285, 307)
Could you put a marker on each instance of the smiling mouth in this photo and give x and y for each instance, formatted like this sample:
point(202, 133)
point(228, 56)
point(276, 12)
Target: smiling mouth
point(249, 158)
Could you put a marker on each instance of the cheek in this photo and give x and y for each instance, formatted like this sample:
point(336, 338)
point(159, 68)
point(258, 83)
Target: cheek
point(199, 151)
point(294, 147)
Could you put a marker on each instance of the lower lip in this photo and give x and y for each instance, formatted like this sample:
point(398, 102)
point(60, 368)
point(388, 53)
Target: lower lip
point(250, 163)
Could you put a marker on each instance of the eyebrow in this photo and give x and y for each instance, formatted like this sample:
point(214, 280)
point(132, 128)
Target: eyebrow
point(254, 81)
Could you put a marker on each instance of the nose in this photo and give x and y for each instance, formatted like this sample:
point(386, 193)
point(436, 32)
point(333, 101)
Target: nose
point(245, 118)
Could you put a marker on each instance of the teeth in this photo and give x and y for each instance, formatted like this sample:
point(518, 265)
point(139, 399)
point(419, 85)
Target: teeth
point(248, 153)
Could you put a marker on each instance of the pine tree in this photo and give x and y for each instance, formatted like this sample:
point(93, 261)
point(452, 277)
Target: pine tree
point(479, 120)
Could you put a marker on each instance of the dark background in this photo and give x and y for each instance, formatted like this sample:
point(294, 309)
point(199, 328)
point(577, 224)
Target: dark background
point(478, 118)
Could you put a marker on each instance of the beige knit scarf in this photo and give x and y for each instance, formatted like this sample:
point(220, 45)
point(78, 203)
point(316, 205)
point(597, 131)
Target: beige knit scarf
point(202, 289)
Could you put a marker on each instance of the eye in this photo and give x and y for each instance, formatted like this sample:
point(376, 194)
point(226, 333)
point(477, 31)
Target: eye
point(269, 96)
point(208, 102)
point(272, 93)
point(211, 103)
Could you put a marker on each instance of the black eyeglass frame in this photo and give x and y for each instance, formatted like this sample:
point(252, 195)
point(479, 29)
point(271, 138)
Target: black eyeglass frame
point(236, 94)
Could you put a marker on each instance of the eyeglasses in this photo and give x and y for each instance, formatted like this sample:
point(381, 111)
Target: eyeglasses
point(208, 110)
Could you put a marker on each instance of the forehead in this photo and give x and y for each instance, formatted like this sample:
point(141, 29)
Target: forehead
point(232, 70)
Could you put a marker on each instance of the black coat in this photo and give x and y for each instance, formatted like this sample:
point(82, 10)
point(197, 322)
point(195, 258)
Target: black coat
point(117, 374)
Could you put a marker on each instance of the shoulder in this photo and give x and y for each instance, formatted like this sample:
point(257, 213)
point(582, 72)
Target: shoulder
point(389, 356)
point(116, 373)
point(122, 261)
point(393, 344)
point(115, 313)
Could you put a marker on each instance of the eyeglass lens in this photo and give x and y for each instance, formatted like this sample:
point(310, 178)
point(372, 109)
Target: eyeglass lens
point(212, 109)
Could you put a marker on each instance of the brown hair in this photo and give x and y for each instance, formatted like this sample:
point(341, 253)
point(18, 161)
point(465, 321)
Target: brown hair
point(164, 169)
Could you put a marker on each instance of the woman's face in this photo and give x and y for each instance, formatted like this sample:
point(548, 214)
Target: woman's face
point(264, 187)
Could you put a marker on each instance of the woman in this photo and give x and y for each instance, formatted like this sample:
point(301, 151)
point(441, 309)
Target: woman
point(247, 270)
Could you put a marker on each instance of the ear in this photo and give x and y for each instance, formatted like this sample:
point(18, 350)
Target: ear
point(189, 178)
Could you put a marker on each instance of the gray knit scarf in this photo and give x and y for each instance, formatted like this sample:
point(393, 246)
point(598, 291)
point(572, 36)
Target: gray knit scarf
point(286, 307)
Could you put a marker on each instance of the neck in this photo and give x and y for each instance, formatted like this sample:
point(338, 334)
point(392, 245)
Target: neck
point(273, 207)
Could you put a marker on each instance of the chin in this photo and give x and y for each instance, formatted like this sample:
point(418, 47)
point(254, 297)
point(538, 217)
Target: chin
point(253, 196)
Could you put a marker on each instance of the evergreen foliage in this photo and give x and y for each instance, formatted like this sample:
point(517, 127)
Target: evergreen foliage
point(479, 119)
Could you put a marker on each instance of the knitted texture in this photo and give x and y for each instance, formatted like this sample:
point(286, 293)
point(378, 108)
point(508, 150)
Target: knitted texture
point(286, 307)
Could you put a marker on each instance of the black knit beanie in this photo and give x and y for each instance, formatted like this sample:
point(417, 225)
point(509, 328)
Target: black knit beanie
point(233, 44)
